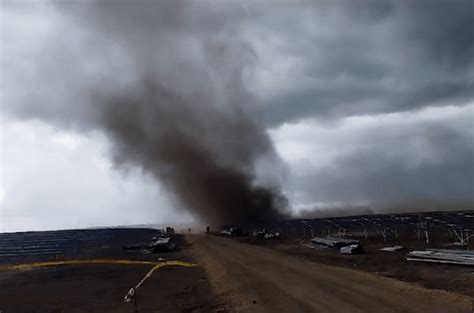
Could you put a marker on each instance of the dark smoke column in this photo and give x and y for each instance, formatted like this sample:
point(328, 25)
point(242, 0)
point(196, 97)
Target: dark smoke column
point(165, 82)
point(205, 157)
point(184, 114)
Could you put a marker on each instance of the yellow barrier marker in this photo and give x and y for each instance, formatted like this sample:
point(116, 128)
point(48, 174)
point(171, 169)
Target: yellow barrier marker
point(130, 295)
point(27, 266)
point(167, 263)
point(132, 292)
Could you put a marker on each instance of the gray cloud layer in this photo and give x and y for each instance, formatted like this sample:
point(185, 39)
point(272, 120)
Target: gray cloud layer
point(164, 82)
point(315, 62)
point(375, 172)
point(371, 57)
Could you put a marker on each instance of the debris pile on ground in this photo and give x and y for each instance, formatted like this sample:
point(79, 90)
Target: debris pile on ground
point(352, 249)
point(331, 242)
point(266, 234)
point(346, 246)
point(272, 235)
point(456, 244)
point(392, 249)
point(461, 257)
point(157, 244)
point(232, 231)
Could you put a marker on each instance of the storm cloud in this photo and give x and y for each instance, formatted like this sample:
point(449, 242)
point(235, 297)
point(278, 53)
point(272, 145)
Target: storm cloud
point(384, 161)
point(166, 88)
point(351, 58)
point(368, 103)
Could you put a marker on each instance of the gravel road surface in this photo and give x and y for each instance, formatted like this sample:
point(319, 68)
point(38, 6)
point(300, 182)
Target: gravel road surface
point(256, 279)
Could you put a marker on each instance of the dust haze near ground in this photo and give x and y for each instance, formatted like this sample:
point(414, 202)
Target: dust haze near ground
point(405, 206)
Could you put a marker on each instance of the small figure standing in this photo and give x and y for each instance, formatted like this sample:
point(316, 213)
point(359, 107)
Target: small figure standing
point(189, 230)
point(207, 230)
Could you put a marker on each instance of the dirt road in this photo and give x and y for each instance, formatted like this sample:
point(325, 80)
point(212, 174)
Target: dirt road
point(257, 279)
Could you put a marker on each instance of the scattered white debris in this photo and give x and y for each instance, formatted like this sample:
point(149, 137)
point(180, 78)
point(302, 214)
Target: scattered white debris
point(392, 249)
point(309, 245)
point(264, 233)
point(226, 232)
point(157, 244)
point(232, 231)
point(352, 249)
point(129, 296)
point(444, 256)
point(272, 235)
point(456, 244)
point(332, 242)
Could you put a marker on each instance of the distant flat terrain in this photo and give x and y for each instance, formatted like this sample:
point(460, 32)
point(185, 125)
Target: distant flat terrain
point(257, 279)
point(60, 244)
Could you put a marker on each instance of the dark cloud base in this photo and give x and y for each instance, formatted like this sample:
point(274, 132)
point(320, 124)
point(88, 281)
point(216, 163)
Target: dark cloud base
point(171, 83)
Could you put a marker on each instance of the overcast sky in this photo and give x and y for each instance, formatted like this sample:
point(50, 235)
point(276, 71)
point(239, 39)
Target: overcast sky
point(366, 102)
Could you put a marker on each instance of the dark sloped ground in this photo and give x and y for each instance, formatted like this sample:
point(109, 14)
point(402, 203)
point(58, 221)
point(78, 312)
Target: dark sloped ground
point(101, 288)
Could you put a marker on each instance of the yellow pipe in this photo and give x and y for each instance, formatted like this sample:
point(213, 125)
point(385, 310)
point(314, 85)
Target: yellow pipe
point(156, 266)
point(26, 266)
point(167, 263)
